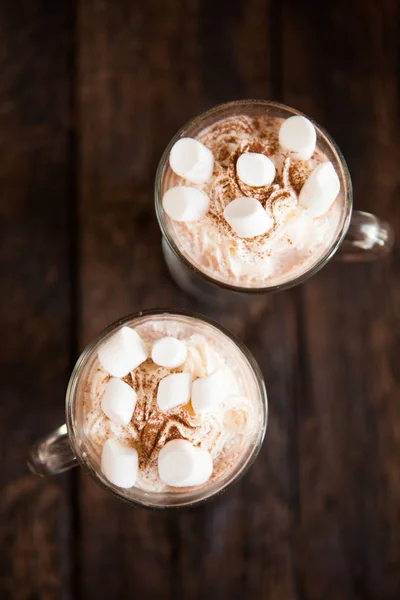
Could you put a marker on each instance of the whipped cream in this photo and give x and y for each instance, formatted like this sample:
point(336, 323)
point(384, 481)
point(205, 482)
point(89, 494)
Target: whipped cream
point(293, 243)
point(225, 432)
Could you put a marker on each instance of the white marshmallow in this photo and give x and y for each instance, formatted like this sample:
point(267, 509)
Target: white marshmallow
point(118, 401)
point(182, 203)
point(174, 390)
point(119, 464)
point(247, 217)
point(298, 135)
point(122, 352)
point(208, 392)
point(191, 159)
point(180, 464)
point(255, 169)
point(169, 352)
point(320, 190)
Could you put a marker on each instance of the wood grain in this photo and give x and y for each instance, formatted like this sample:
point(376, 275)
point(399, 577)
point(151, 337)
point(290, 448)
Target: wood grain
point(154, 74)
point(91, 92)
point(124, 124)
point(35, 308)
point(251, 527)
point(344, 75)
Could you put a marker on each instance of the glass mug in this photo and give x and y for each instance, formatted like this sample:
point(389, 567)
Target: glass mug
point(359, 236)
point(68, 446)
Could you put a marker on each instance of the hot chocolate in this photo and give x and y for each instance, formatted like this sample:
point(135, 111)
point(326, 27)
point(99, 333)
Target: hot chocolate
point(252, 201)
point(170, 402)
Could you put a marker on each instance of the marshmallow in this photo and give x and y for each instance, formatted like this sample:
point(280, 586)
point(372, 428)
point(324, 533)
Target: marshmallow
point(122, 352)
point(180, 464)
point(182, 203)
point(192, 160)
point(320, 190)
point(119, 464)
point(255, 169)
point(298, 135)
point(174, 390)
point(169, 352)
point(208, 392)
point(247, 217)
point(119, 401)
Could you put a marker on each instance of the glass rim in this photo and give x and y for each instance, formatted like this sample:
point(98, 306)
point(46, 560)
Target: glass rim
point(74, 437)
point(345, 176)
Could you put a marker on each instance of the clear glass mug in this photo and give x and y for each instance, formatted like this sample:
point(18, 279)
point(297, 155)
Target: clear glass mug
point(360, 236)
point(68, 446)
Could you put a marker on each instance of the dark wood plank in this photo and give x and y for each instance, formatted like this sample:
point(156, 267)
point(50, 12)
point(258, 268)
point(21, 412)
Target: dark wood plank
point(340, 64)
point(143, 71)
point(35, 310)
point(125, 122)
point(241, 544)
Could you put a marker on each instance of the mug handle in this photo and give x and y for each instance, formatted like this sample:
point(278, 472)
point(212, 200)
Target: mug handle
point(368, 238)
point(52, 454)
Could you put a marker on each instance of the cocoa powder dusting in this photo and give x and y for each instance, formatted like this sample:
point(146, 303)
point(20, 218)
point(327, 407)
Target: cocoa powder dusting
point(230, 138)
point(299, 171)
point(214, 248)
point(155, 427)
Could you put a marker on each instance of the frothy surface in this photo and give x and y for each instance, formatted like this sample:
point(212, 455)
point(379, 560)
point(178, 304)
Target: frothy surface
point(226, 432)
point(294, 244)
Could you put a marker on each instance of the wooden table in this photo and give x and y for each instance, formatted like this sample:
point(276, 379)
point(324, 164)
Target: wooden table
point(90, 94)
